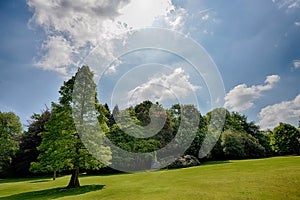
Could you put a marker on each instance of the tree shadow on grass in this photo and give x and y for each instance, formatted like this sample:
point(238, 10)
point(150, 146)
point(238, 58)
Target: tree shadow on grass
point(41, 181)
point(54, 193)
point(15, 180)
point(25, 179)
point(216, 162)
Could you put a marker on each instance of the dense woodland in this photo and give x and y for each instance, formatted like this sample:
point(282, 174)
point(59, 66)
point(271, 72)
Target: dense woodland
point(52, 144)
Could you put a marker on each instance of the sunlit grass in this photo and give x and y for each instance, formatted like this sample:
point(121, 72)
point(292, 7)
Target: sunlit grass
point(270, 178)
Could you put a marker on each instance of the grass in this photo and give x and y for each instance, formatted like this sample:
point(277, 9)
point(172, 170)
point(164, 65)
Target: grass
point(270, 178)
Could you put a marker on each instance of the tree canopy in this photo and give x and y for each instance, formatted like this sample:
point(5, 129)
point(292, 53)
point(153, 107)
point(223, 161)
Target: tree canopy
point(286, 139)
point(10, 131)
point(61, 147)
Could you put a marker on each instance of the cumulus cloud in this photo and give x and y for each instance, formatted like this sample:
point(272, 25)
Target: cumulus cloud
point(286, 111)
point(242, 97)
point(60, 51)
point(142, 13)
point(297, 23)
point(163, 87)
point(76, 28)
point(296, 64)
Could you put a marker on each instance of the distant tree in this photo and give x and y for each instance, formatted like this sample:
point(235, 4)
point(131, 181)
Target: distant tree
point(10, 131)
point(160, 116)
point(265, 141)
point(198, 140)
point(252, 137)
point(30, 140)
point(142, 112)
point(286, 139)
point(186, 133)
point(217, 152)
point(232, 143)
point(109, 116)
point(116, 110)
point(252, 147)
point(238, 145)
point(124, 134)
point(61, 147)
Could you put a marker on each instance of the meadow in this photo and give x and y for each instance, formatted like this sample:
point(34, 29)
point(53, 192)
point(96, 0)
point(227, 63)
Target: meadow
point(268, 178)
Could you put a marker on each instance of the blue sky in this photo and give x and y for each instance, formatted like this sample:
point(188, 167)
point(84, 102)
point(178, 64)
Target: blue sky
point(255, 45)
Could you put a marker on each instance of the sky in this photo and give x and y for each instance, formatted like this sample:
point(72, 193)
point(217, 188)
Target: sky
point(242, 55)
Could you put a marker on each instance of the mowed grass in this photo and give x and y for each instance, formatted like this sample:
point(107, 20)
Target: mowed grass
point(270, 178)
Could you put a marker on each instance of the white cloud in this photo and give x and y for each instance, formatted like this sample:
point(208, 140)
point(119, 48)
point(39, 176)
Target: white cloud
point(142, 13)
point(242, 97)
point(296, 64)
point(163, 87)
point(174, 19)
point(286, 111)
point(75, 28)
point(60, 51)
point(297, 23)
point(287, 4)
point(205, 17)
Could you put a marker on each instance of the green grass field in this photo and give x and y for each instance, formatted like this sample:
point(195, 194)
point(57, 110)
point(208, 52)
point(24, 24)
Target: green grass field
point(270, 178)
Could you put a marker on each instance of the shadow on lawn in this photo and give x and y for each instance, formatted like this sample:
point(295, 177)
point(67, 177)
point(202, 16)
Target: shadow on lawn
point(27, 179)
point(216, 162)
point(54, 193)
point(41, 181)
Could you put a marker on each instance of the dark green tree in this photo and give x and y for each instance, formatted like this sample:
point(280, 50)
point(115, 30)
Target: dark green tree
point(239, 145)
point(286, 140)
point(10, 132)
point(232, 143)
point(160, 118)
point(265, 141)
point(201, 133)
point(30, 140)
point(217, 152)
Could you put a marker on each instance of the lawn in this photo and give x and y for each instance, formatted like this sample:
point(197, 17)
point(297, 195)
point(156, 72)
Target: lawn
point(270, 178)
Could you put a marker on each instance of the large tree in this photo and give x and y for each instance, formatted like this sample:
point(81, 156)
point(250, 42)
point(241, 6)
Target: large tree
point(286, 139)
point(62, 147)
point(10, 131)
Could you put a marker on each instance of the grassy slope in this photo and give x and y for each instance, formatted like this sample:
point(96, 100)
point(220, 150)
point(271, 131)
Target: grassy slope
point(271, 178)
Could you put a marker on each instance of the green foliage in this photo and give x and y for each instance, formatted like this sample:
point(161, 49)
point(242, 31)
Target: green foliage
point(238, 145)
point(285, 139)
point(252, 147)
point(232, 143)
point(61, 147)
point(119, 135)
point(265, 141)
point(30, 140)
point(10, 131)
point(59, 141)
point(245, 140)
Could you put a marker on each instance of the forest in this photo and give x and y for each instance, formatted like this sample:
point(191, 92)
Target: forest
point(52, 142)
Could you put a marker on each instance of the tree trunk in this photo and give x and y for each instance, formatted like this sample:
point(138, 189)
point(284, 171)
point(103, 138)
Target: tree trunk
point(74, 181)
point(54, 175)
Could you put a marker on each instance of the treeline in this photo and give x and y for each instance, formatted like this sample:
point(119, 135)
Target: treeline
point(52, 143)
